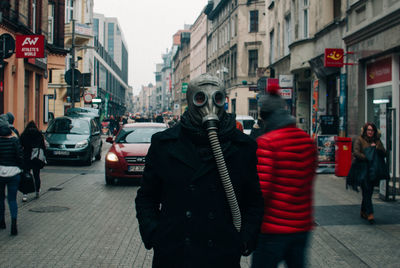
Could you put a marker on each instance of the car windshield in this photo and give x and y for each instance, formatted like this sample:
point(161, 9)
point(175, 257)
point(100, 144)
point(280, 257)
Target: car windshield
point(69, 126)
point(137, 135)
point(247, 123)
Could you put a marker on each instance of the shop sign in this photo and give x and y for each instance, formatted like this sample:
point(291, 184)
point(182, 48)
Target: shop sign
point(379, 71)
point(286, 81)
point(333, 57)
point(29, 46)
point(286, 93)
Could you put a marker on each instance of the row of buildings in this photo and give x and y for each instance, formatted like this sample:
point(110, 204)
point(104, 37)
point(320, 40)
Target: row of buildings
point(248, 42)
point(36, 88)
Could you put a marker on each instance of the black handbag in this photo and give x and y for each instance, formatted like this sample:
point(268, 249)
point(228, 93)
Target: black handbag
point(27, 183)
point(377, 166)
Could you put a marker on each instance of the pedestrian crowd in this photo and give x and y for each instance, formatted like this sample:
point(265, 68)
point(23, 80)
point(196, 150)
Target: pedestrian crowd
point(20, 156)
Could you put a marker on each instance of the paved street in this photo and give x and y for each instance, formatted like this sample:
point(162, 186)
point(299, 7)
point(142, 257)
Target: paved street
point(80, 222)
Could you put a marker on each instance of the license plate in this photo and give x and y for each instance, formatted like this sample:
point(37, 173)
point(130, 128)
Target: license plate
point(61, 153)
point(135, 168)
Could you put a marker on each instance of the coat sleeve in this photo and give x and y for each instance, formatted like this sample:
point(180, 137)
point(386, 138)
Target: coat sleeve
point(358, 152)
point(148, 198)
point(252, 207)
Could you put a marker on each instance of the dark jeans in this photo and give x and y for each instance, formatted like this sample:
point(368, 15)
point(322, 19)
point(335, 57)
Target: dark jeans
point(274, 248)
point(12, 188)
point(36, 176)
point(366, 204)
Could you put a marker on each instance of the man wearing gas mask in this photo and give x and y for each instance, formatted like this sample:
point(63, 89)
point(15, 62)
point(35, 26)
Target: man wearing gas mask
point(200, 203)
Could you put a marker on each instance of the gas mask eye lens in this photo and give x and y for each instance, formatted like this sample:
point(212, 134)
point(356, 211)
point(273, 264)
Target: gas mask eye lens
point(219, 98)
point(199, 99)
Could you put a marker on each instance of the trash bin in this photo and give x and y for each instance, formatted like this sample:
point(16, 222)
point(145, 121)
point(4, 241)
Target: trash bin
point(342, 156)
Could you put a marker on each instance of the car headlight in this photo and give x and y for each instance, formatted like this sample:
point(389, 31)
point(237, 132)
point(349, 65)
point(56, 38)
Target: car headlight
point(82, 144)
point(112, 157)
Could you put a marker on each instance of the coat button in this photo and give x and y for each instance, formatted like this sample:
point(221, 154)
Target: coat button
point(210, 243)
point(187, 241)
point(192, 187)
point(188, 214)
point(211, 216)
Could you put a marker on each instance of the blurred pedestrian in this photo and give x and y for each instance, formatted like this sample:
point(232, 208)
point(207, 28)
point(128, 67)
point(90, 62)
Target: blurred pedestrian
point(112, 125)
point(11, 122)
point(11, 163)
point(258, 129)
point(32, 140)
point(369, 139)
point(286, 168)
point(184, 209)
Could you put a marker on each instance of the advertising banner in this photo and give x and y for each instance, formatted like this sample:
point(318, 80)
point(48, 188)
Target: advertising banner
point(29, 46)
point(379, 71)
point(326, 149)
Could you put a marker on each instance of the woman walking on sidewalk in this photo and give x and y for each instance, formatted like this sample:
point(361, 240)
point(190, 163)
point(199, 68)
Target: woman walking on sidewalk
point(11, 162)
point(31, 139)
point(369, 138)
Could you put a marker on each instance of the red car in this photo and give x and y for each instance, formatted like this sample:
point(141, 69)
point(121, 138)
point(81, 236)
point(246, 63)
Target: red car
point(126, 157)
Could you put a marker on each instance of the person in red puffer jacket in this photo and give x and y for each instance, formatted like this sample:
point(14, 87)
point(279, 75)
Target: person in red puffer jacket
point(286, 168)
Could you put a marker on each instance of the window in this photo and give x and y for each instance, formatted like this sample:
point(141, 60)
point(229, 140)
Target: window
point(50, 37)
point(287, 39)
point(305, 17)
point(336, 9)
point(253, 26)
point(69, 10)
point(110, 39)
point(271, 47)
point(253, 62)
point(96, 27)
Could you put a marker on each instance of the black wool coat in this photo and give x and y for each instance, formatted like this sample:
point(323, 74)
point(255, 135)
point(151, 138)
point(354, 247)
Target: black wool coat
point(182, 208)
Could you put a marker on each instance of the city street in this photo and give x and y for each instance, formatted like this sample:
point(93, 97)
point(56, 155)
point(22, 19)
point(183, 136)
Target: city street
point(78, 221)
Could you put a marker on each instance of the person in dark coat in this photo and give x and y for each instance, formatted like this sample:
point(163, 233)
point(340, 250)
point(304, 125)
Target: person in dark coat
point(32, 138)
point(11, 163)
point(286, 167)
point(182, 205)
point(368, 138)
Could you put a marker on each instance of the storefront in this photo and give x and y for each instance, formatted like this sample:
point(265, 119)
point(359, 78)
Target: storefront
point(382, 102)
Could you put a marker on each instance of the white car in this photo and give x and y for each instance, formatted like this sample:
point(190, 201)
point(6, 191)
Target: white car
point(247, 122)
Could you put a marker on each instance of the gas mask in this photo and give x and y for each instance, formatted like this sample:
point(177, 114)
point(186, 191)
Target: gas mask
point(206, 99)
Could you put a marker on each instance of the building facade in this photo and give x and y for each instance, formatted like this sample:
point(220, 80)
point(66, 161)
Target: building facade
point(235, 49)
point(372, 36)
point(110, 65)
point(24, 82)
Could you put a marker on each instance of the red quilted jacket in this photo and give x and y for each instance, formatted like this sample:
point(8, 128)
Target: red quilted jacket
point(286, 168)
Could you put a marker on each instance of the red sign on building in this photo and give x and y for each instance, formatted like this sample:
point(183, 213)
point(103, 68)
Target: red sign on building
point(29, 46)
point(333, 57)
point(379, 71)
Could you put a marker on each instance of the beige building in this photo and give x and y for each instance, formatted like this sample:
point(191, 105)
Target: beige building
point(236, 49)
point(181, 73)
point(198, 46)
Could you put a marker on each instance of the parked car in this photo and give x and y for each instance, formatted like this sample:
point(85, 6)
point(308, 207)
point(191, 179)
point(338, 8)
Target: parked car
point(73, 138)
point(247, 122)
point(126, 156)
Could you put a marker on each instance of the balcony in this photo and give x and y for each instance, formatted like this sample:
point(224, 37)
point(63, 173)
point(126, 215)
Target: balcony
point(83, 34)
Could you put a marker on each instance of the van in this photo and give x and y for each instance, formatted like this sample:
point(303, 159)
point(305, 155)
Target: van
point(247, 122)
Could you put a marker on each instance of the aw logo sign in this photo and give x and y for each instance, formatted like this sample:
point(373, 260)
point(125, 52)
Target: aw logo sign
point(29, 46)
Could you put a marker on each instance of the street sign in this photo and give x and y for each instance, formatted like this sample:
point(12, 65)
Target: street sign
point(333, 57)
point(29, 46)
point(7, 46)
point(68, 76)
point(87, 97)
point(184, 87)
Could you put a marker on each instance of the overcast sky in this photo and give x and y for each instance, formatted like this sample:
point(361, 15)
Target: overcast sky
point(148, 27)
